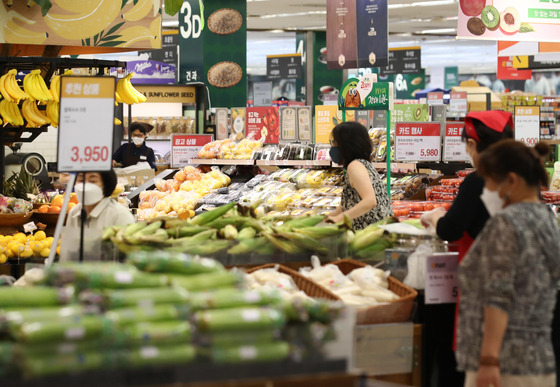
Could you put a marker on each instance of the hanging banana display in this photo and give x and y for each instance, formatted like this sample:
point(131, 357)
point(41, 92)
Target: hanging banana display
point(9, 88)
point(34, 117)
point(55, 85)
point(10, 113)
point(127, 93)
point(35, 86)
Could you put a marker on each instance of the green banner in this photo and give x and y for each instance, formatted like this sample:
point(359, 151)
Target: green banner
point(364, 93)
point(407, 85)
point(451, 77)
point(301, 48)
point(325, 82)
point(191, 42)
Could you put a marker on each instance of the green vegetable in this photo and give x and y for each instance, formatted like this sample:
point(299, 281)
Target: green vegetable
point(175, 332)
point(266, 352)
point(239, 319)
point(38, 366)
point(126, 316)
point(145, 297)
point(22, 297)
point(246, 233)
point(207, 281)
point(18, 316)
point(231, 298)
point(173, 262)
point(160, 355)
point(208, 216)
point(226, 339)
point(77, 329)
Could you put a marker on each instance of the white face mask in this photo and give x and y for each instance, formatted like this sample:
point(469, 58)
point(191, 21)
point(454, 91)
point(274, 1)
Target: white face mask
point(492, 201)
point(93, 193)
point(138, 140)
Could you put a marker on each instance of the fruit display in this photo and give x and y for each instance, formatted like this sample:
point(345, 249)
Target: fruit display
point(409, 209)
point(229, 150)
point(12, 205)
point(55, 204)
point(285, 152)
point(126, 93)
point(179, 196)
point(21, 246)
point(158, 309)
point(551, 197)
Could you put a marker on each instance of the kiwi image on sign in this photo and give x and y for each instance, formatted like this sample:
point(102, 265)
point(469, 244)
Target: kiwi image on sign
point(476, 26)
point(490, 17)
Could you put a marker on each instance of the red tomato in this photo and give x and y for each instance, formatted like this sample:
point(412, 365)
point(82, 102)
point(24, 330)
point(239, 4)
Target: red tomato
point(429, 207)
point(417, 207)
point(447, 206)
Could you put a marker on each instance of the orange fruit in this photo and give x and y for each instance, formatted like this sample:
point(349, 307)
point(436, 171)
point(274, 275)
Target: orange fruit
point(71, 205)
point(54, 209)
point(43, 209)
point(57, 201)
point(73, 198)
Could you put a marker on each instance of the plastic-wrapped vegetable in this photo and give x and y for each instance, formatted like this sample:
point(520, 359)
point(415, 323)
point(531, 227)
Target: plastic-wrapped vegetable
point(19, 316)
point(142, 298)
point(6, 353)
point(137, 315)
point(266, 352)
point(238, 319)
point(101, 275)
point(160, 355)
point(230, 298)
point(173, 262)
point(226, 339)
point(12, 297)
point(158, 332)
point(45, 365)
point(77, 329)
point(208, 281)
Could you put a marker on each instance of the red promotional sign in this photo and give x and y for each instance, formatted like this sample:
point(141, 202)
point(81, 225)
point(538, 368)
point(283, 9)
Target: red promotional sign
point(507, 71)
point(184, 147)
point(435, 98)
point(417, 141)
point(262, 124)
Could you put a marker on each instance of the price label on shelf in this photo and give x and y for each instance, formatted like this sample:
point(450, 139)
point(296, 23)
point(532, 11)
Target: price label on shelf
point(86, 121)
point(453, 146)
point(458, 102)
point(185, 147)
point(527, 124)
point(417, 141)
point(441, 278)
point(435, 98)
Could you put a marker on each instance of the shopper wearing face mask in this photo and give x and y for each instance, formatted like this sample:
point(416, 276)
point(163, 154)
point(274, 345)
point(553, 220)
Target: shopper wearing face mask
point(101, 209)
point(508, 279)
point(462, 224)
point(364, 197)
point(132, 153)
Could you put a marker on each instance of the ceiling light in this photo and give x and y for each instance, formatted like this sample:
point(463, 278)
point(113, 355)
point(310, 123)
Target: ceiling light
point(423, 4)
point(439, 31)
point(293, 14)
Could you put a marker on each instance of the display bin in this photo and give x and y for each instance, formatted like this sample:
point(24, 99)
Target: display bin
point(391, 312)
point(304, 284)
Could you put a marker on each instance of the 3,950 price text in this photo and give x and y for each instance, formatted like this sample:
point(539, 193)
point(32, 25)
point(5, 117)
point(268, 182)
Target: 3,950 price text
point(89, 153)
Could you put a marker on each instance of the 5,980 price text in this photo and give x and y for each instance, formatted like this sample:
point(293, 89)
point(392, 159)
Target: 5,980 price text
point(429, 152)
point(89, 153)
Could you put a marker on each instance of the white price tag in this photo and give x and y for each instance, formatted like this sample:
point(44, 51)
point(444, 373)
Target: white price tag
point(458, 102)
point(417, 141)
point(527, 124)
point(435, 98)
point(74, 333)
point(149, 352)
point(247, 352)
point(441, 278)
point(251, 315)
point(252, 297)
point(454, 148)
point(29, 227)
point(123, 277)
point(85, 129)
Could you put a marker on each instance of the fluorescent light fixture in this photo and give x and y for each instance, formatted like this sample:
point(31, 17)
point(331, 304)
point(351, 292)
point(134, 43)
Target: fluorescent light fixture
point(293, 14)
point(439, 31)
point(423, 4)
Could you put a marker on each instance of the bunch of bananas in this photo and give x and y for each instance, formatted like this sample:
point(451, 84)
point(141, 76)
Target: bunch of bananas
point(10, 89)
point(34, 117)
point(35, 86)
point(52, 112)
point(126, 93)
point(55, 85)
point(10, 113)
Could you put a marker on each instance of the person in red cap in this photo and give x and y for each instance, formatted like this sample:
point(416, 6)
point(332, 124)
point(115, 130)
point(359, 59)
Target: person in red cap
point(463, 222)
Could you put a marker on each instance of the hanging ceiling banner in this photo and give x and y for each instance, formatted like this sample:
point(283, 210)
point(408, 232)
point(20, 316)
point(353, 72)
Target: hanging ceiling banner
point(509, 20)
point(357, 33)
point(96, 23)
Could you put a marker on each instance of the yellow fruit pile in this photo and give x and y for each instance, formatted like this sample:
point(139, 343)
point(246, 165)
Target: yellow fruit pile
point(25, 246)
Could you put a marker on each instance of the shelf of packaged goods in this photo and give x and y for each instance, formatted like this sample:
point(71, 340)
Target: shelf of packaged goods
point(551, 142)
point(394, 166)
point(221, 162)
point(295, 163)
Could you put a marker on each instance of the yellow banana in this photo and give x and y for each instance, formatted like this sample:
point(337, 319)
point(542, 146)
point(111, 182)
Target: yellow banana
point(125, 93)
point(118, 98)
point(4, 111)
point(52, 113)
point(127, 84)
point(84, 24)
point(14, 33)
point(133, 35)
point(13, 88)
point(138, 11)
point(15, 114)
point(4, 88)
point(46, 95)
point(55, 84)
point(117, 121)
point(75, 6)
point(33, 114)
point(30, 87)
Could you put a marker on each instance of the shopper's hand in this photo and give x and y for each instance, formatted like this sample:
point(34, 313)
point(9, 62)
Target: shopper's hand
point(114, 164)
point(335, 218)
point(431, 218)
point(488, 376)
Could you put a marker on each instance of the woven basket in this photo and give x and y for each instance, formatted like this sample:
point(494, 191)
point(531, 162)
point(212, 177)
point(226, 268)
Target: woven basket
point(392, 312)
point(14, 220)
point(304, 284)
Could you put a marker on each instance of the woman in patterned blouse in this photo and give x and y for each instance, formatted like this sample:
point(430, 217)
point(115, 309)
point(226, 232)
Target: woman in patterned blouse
point(364, 196)
point(508, 279)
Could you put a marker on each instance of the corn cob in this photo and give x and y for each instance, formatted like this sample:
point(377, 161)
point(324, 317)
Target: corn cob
point(305, 242)
point(229, 232)
point(365, 239)
point(149, 229)
point(319, 232)
point(246, 246)
point(206, 248)
point(222, 222)
point(254, 223)
point(185, 231)
point(209, 216)
point(133, 228)
point(266, 248)
point(198, 238)
point(110, 232)
point(376, 249)
point(284, 246)
point(246, 233)
point(160, 236)
point(302, 221)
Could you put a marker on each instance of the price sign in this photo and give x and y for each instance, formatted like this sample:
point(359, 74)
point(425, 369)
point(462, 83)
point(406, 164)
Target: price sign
point(453, 146)
point(458, 102)
point(435, 98)
point(288, 123)
point(441, 278)
point(185, 147)
point(86, 120)
point(527, 124)
point(417, 141)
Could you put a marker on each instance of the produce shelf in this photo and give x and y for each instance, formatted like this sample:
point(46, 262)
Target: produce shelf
point(186, 374)
point(295, 163)
point(221, 162)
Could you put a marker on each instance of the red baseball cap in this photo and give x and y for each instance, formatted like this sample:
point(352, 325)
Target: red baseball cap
point(493, 119)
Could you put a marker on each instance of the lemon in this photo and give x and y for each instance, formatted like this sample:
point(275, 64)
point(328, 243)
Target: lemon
point(40, 235)
point(20, 237)
point(37, 246)
point(45, 252)
point(17, 248)
point(26, 253)
point(58, 250)
point(49, 241)
point(3, 258)
point(9, 253)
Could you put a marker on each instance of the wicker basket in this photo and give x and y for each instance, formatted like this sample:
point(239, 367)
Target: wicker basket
point(392, 312)
point(305, 284)
point(14, 220)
